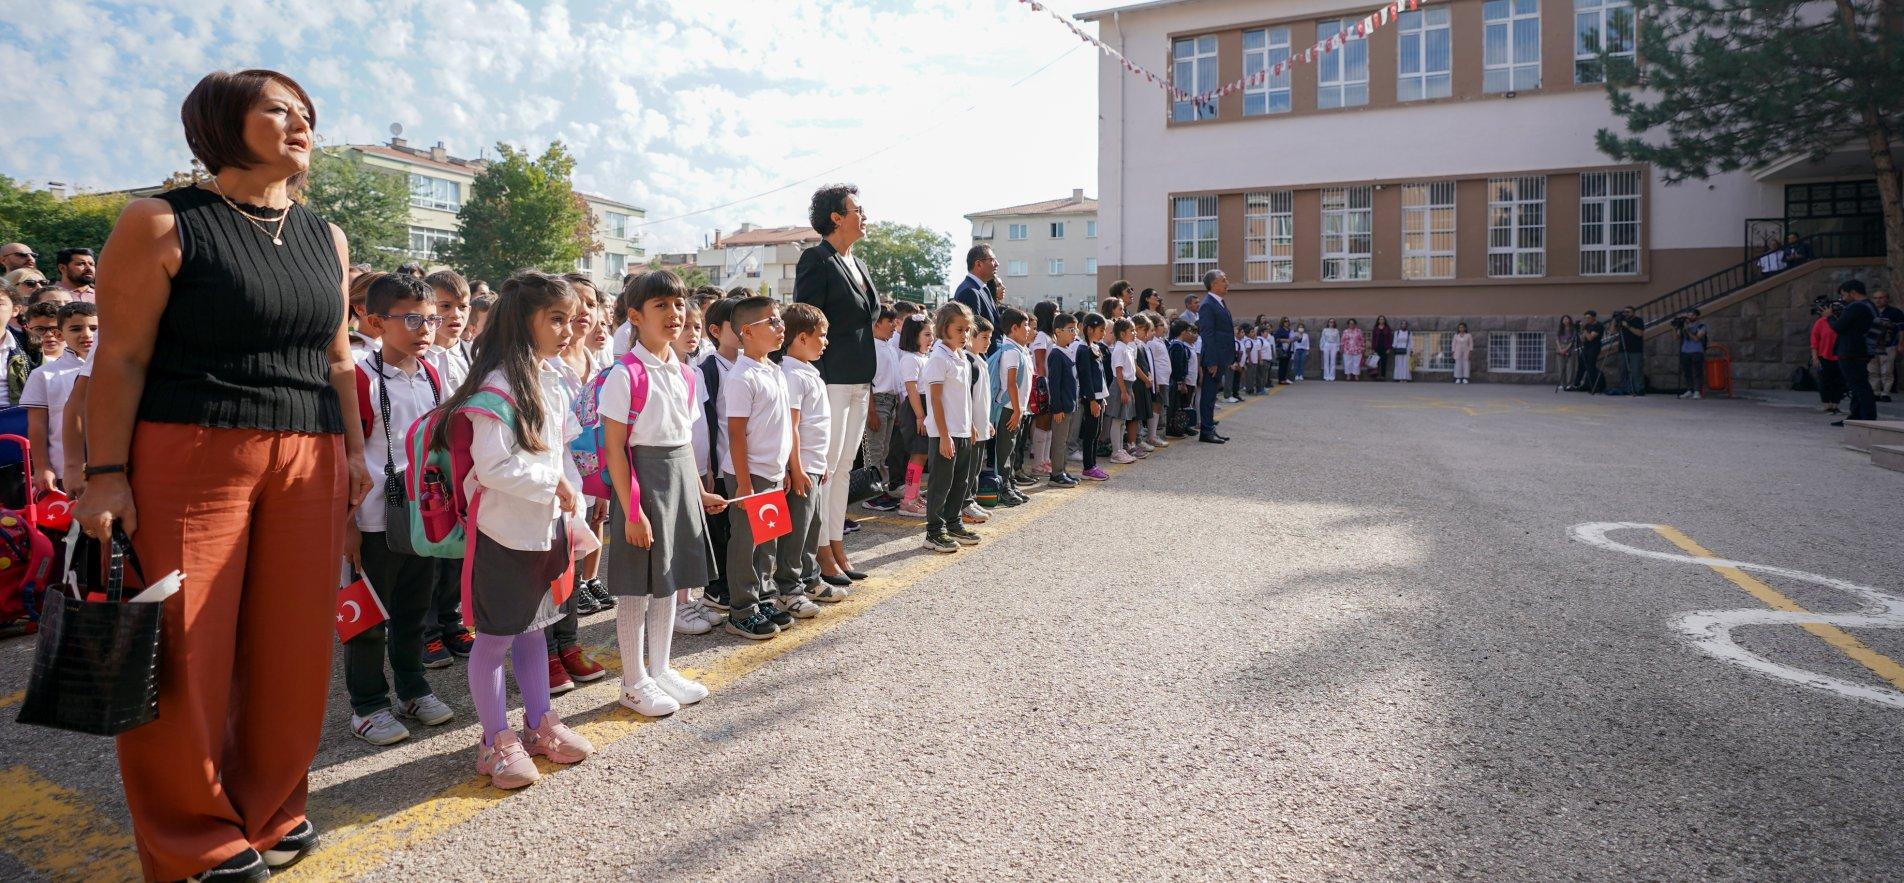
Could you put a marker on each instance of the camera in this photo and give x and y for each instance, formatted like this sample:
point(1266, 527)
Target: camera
point(1679, 322)
point(1825, 304)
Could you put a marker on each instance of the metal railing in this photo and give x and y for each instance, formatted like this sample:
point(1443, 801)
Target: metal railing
point(1699, 293)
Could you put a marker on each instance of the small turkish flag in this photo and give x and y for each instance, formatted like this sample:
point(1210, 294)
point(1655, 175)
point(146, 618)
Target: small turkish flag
point(767, 515)
point(358, 608)
point(56, 511)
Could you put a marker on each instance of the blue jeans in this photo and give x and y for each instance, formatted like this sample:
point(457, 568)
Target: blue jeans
point(1633, 373)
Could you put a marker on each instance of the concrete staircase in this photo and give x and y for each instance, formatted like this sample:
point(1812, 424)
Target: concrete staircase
point(1882, 439)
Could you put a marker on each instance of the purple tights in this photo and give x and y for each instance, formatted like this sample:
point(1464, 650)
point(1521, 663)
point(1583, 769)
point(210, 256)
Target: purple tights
point(530, 653)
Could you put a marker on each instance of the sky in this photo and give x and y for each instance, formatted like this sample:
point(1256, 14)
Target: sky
point(672, 106)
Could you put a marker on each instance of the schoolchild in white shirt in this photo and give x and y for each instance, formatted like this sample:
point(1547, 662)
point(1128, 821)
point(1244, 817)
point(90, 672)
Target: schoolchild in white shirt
point(657, 529)
point(48, 389)
point(759, 442)
point(947, 379)
point(797, 573)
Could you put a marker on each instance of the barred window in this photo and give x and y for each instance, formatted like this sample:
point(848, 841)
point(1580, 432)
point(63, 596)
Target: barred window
point(1348, 243)
point(1517, 352)
point(1428, 230)
point(1609, 223)
point(1517, 226)
point(1193, 238)
point(1269, 236)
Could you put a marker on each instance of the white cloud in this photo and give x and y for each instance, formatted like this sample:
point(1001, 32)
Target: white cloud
point(673, 106)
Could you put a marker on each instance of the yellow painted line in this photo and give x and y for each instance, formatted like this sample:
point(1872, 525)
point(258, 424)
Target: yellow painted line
point(12, 699)
point(59, 834)
point(1844, 642)
point(362, 846)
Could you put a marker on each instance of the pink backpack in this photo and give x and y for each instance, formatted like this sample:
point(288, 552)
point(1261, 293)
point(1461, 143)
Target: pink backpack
point(589, 449)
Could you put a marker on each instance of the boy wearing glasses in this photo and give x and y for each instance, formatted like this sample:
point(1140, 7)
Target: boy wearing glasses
point(396, 386)
point(758, 443)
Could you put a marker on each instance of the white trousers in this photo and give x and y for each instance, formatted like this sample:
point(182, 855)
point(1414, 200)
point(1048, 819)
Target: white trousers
point(1401, 366)
point(1328, 361)
point(847, 404)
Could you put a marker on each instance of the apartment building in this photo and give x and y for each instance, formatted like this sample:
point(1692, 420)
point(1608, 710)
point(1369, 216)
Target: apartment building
point(439, 182)
point(761, 258)
point(1046, 250)
point(1442, 166)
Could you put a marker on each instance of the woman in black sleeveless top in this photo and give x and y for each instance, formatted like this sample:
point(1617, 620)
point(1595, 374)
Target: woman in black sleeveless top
point(215, 435)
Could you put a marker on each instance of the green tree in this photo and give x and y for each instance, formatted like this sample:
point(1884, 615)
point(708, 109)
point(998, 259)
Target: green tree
point(905, 259)
point(693, 277)
point(47, 224)
point(1734, 85)
point(523, 213)
point(370, 205)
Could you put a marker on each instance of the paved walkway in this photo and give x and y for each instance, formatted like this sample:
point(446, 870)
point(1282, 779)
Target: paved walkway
point(1375, 637)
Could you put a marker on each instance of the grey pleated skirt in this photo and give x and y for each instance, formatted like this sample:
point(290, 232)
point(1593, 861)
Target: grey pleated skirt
point(671, 497)
point(509, 590)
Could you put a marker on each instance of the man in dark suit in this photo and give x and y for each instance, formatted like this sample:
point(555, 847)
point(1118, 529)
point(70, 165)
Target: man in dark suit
point(1216, 331)
point(1853, 324)
point(836, 281)
point(975, 291)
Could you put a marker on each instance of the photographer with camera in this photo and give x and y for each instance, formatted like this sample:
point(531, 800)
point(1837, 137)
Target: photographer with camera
point(1592, 338)
point(1692, 353)
point(1854, 323)
point(1632, 330)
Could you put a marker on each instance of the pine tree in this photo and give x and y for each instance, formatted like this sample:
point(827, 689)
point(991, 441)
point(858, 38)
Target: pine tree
point(523, 214)
point(1724, 85)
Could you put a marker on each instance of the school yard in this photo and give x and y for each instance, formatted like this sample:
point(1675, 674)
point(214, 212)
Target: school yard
point(1388, 632)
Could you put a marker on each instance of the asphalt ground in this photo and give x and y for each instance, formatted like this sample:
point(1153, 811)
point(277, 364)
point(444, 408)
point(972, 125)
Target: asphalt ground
point(1361, 641)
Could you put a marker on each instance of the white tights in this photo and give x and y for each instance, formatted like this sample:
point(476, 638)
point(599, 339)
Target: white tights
point(631, 616)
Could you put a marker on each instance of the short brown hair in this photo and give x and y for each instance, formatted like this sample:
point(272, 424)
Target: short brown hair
point(214, 116)
point(449, 282)
point(802, 319)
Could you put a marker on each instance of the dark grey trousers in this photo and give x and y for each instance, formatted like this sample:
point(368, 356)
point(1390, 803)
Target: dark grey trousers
point(948, 482)
point(796, 555)
point(750, 568)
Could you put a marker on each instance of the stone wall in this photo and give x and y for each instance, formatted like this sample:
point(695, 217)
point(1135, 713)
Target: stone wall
point(1768, 335)
point(1479, 326)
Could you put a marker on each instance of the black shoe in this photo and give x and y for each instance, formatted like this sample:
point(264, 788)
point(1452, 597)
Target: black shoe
point(1884, 398)
point(775, 615)
point(715, 599)
point(585, 603)
point(1837, 422)
point(459, 641)
point(855, 575)
point(882, 503)
point(837, 579)
point(245, 866)
point(850, 527)
point(436, 655)
point(753, 626)
point(1211, 438)
point(962, 535)
point(602, 598)
point(292, 847)
point(1023, 479)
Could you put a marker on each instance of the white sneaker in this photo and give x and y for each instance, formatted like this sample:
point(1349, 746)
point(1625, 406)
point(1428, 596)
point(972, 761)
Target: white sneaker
point(426, 709)
point(799, 607)
point(680, 688)
point(707, 614)
point(688, 622)
point(1698, 395)
point(1686, 395)
point(1138, 452)
point(647, 698)
point(1147, 446)
point(1076, 456)
point(976, 512)
point(379, 728)
point(1122, 456)
point(1158, 442)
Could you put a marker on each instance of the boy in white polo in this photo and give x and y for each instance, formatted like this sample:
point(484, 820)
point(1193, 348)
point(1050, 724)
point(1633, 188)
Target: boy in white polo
point(797, 576)
point(759, 440)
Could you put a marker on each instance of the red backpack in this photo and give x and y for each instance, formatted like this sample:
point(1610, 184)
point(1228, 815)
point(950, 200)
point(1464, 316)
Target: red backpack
point(26, 554)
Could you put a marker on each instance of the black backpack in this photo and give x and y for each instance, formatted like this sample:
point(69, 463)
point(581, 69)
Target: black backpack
point(1802, 380)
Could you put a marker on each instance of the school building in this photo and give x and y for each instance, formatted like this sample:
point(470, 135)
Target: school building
point(1046, 250)
point(1442, 169)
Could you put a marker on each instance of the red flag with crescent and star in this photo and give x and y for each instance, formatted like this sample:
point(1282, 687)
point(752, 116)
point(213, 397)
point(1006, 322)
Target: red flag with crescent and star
point(767, 515)
point(358, 608)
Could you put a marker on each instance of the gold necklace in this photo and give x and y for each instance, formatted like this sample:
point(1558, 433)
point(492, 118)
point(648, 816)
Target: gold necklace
point(277, 238)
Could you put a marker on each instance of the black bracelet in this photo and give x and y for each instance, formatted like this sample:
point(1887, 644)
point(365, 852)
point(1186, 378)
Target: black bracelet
point(113, 469)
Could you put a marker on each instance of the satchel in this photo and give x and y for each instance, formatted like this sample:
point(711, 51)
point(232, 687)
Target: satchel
point(864, 484)
point(396, 497)
point(96, 669)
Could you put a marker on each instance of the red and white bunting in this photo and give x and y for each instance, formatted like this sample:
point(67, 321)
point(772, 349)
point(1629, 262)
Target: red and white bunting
point(1362, 28)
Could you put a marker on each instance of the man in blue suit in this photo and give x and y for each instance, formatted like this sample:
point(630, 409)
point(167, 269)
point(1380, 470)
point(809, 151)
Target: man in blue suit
point(1216, 331)
point(975, 290)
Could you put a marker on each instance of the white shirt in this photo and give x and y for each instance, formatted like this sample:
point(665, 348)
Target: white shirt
point(981, 399)
point(48, 387)
point(1331, 338)
point(518, 487)
point(1039, 343)
point(758, 392)
point(624, 339)
point(852, 269)
point(410, 398)
point(1301, 340)
point(726, 369)
point(1014, 356)
point(452, 364)
point(1159, 362)
point(667, 418)
point(912, 369)
point(1124, 362)
point(950, 371)
point(85, 369)
point(806, 393)
point(886, 375)
point(1401, 339)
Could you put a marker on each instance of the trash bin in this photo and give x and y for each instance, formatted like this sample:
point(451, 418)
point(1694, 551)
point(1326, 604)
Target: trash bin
point(1719, 370)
